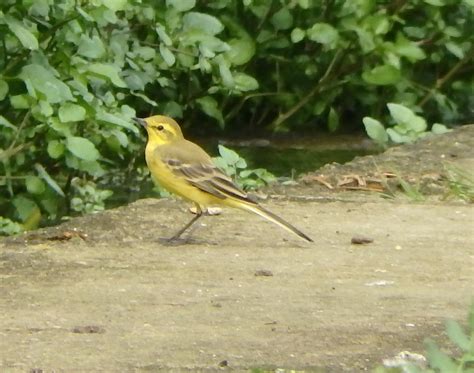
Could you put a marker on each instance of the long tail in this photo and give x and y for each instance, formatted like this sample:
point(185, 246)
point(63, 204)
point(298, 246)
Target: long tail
point(264, 213)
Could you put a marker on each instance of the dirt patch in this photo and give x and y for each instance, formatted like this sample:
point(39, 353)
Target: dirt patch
point(428, 166)
point(101, 293)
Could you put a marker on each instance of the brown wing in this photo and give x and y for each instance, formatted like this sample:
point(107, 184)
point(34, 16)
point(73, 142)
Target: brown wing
point(194, 165)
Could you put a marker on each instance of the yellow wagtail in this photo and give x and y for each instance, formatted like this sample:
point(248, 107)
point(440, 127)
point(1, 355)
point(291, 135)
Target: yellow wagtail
point(186, 170)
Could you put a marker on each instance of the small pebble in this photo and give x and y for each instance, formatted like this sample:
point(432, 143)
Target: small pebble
point(263, 272)
point(360, 240)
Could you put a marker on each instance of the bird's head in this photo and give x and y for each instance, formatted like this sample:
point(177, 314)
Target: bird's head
point(161, 129)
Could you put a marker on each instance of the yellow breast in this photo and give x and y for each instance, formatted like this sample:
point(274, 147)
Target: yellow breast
point(175, 184)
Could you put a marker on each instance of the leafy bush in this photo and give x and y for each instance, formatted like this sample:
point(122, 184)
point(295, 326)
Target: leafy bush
point(236, 167)
point(73, 73)
point(331, 63)
point(408, 127)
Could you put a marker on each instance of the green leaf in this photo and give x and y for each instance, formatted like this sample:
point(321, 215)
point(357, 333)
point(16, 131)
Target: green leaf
point(117, 120)
point(418, 124)
point(230, 156)
point(160, 30)
point(366, 39)
point(167, 55)
point(241, 51)
point(438, 359)
point(400, 113)
point(282, 20)
point(438, 3)
point(3, 89)
point(439, 129)
point(379, 23)
point(84, 14)
point(82, 148)
point(34, 184)
point(24, 207)
point(55, 149)
point(43, 81)
point(9, 227)
point(241, 163)
point(333, 120)
point(147, 53)
point(452, 31)
point(222, 165)
point(173, 109)
point(91, 47)
point(26, 37)
point(323, 33)
point(115, 5)
point(455, 49)
point(408, 49)
point(244, 82)
point(45, 108)
point(382, 75)
point(407, 118)
point(111, 72)
point(145, 98)
point(127, 112)
point(49, 180)
point(39, 8)
point(209, 106)
point(305, 4)
point(398, 137)
point(6, 123)
point(199, 38)
point(201, 21)
point(297, 35)
point(224, 71)
point(375, 130)
point(121, 137)
point(61, 128)
point(20, 101)
point(71, 113)
point(457, 335)
point(181, 5)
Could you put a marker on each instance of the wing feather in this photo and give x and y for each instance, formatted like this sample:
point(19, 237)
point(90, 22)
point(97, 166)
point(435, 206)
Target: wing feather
point(208, 178)
point(202, 173)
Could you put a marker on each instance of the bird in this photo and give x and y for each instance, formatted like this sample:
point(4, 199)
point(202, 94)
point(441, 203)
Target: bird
point(186, 170)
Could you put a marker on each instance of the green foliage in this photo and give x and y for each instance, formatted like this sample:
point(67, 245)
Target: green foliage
point(408, 127)
point(236, 167)
point(88, 198)
point(461, 182)
point(74, 73)
point(8, 227)
point(411, 191)
point(440, 361)
point(351, 56)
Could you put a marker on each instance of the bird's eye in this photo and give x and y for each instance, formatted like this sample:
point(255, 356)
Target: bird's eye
point(160, 128)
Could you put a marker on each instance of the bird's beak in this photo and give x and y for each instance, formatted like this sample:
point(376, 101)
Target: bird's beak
point(140, 121)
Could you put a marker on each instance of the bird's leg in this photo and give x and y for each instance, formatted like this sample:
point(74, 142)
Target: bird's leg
point(191, 222)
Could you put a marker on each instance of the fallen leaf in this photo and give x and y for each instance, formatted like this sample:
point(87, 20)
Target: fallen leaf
point(67, 235)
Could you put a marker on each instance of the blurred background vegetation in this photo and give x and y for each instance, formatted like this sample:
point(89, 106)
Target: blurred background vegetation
point(73, 73)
